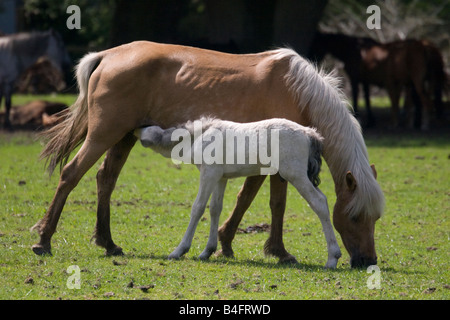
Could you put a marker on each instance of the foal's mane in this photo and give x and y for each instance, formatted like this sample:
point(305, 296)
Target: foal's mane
point(319, 94)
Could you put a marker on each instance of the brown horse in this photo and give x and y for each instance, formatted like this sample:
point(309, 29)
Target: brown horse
point(146, 83)
point(416, 66)
point(396, 66)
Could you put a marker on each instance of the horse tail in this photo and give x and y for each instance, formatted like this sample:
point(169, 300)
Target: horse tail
point(315, 158)
point(64, 137)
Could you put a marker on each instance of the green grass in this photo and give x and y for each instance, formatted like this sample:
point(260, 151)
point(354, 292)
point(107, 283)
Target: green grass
point(21, 99)
point(150, 211)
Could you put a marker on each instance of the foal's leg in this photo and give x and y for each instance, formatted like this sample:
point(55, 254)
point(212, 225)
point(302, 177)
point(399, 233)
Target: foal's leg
point(318, 202)
point(106, 180)
point(274, 245)
point(215, 208)
point(89, 153)
point(245, 197)
point(207, 185)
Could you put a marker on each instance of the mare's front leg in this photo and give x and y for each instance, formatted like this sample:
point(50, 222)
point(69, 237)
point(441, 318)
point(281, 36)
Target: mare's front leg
point(215, 208)
point(274, 245)
point(208, 183)
point(244, 199)
point(106, 181)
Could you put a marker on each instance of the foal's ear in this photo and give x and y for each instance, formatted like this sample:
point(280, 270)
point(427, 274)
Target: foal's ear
point(374, 171)
point(351, 181)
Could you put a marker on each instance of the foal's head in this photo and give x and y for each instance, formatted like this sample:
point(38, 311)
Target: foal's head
point(357, 227)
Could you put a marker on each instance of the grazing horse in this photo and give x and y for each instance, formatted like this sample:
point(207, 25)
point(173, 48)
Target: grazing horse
point(146, 83)
point(298, 149)
point(20, 51)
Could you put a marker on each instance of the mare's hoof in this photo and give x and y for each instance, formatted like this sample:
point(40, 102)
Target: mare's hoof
point(289, 259)
point(116, 251)
point(41, 250)
point(225, 253)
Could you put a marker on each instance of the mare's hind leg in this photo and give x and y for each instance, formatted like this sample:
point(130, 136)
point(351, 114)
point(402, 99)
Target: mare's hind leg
point(274, 245)
point(245, 197)
point(89, 153)
point(215, 208)
point(106, 180)
point(318, 202)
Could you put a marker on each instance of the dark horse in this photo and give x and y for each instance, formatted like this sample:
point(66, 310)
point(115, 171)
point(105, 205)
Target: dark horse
point(20, 51)
point(348, 50)
point(416, 66)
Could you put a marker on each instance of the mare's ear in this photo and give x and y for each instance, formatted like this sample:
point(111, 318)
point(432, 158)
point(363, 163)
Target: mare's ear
point(351, 181)
point(374, 171)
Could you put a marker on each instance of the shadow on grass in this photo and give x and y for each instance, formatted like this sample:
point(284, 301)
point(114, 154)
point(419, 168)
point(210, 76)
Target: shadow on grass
point(260, 263)
point(384, 135)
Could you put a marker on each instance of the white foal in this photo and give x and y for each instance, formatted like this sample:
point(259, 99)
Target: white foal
point(295, 152)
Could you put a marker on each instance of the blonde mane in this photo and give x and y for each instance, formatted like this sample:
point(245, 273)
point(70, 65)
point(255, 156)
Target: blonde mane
point(344, 149)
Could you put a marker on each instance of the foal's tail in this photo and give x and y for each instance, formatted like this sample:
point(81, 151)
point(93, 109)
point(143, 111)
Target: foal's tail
point(315, 158)
point(64, 137)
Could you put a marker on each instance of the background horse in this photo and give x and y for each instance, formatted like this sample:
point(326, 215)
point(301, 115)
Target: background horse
point(167, 85)
point(405, 64)
point(416, 66)
point(20, 51)
point(298, 148)
point(348, 50)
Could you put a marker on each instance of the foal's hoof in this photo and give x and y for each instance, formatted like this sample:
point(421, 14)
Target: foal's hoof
point(206, 254)
point(116, 251)
point(173, 257)
point(41, 250)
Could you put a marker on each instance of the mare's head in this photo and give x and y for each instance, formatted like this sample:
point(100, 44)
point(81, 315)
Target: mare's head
point(358, 206)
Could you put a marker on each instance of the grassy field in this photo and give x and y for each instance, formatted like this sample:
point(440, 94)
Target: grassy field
point(150, 211)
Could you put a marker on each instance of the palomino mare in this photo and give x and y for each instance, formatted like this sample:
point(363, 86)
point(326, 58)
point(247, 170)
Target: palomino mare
point(298, 149)
point(416, 66)
point(146, 83)
point(20, 51)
